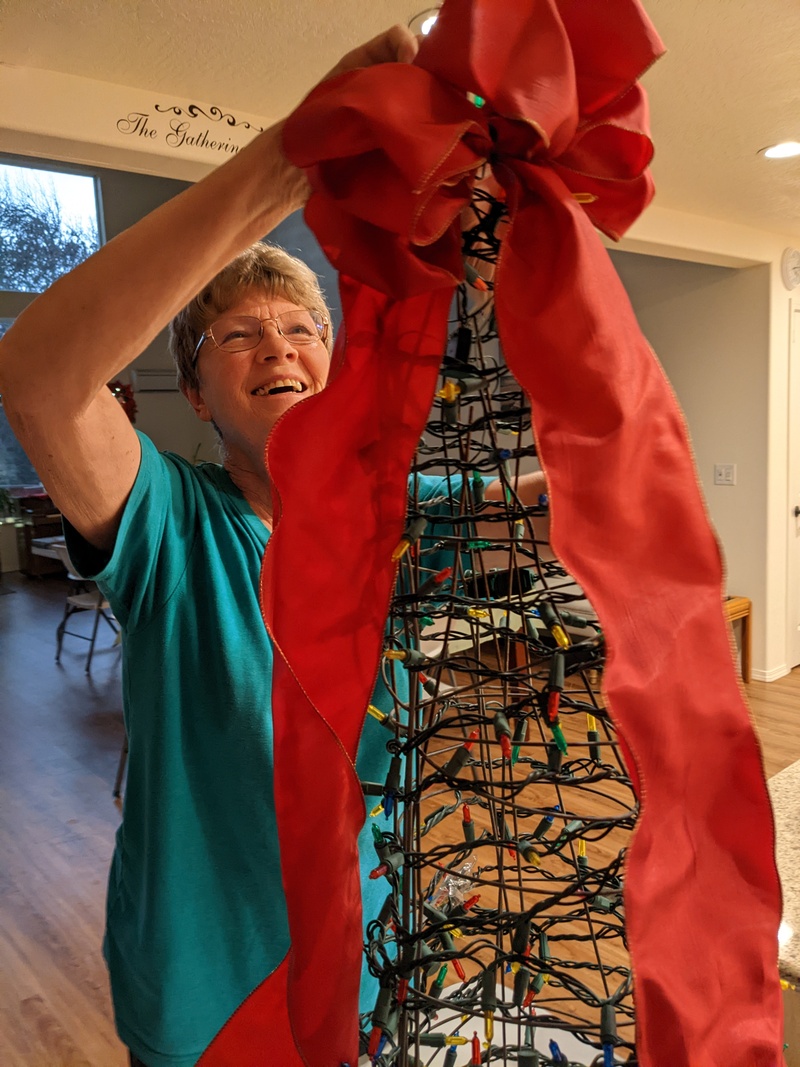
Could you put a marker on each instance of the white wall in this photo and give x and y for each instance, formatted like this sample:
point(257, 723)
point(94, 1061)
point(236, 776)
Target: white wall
point(171, 424)
point(709, 327)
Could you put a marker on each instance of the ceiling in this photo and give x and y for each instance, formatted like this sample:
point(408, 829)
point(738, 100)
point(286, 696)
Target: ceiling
point(728, 86)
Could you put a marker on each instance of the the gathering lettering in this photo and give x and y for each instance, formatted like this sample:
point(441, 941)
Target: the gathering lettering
point(180, 134)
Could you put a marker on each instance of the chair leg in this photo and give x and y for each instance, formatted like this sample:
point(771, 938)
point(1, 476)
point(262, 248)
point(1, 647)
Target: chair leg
point(123, 759)
point(60, 632)
point(69, 611)
point(97, 614)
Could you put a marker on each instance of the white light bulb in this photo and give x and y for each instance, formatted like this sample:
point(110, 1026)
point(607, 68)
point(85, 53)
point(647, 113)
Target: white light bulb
point(784, 150)
point(428, 25)
point(785, 934)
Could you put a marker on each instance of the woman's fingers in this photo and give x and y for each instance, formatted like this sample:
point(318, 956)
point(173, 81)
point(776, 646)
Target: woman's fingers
point(395, 45)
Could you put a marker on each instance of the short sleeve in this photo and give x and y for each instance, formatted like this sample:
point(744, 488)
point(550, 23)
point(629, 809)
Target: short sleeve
point(154, 541)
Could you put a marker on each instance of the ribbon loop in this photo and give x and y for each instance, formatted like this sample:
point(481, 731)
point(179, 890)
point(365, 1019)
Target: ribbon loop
point(549, 99)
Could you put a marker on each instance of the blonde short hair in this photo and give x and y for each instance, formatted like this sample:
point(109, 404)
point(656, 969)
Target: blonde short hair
point(261, 266)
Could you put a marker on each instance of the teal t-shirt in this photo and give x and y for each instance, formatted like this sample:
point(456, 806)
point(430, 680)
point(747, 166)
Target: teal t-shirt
point(196, 915)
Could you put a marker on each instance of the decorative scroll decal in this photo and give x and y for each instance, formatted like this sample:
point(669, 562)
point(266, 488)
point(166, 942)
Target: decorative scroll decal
point(214, 113)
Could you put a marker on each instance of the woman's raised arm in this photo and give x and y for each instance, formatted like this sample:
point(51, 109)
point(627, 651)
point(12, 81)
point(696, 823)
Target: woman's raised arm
point(94, 321)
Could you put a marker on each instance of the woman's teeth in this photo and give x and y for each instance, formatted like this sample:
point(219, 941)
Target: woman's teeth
point(282, 385)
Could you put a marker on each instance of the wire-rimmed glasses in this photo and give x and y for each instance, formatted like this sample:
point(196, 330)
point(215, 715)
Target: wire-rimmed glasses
point(240, 333)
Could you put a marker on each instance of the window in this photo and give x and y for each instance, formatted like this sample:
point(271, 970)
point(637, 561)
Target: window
point(15, 467)
point(48, 224)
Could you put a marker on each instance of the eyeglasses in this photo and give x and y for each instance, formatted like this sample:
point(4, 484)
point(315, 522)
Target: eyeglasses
point(240, 333)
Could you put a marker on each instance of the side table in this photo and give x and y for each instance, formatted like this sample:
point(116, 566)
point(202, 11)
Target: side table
point(739, 607)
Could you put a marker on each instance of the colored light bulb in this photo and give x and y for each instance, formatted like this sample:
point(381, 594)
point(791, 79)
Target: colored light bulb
point(467, 824)
point(476, 1050)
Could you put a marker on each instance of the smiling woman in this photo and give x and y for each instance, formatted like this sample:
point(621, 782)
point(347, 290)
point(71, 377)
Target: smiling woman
point(265, 349)
point(265, 270)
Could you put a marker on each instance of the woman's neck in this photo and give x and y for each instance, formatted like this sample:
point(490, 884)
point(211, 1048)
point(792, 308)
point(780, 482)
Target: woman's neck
point(255, 486)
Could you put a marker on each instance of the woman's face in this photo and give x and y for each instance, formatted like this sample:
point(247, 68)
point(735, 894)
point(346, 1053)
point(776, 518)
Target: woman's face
point(245, 393)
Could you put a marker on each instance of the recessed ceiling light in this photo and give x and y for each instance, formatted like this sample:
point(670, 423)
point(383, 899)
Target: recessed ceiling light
point(423, 22)
point(784, 150)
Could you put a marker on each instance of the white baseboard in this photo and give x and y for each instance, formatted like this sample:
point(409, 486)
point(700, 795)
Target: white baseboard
point(772, 675)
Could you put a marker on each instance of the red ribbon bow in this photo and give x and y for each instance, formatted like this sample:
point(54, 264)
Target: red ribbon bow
point(392, 152)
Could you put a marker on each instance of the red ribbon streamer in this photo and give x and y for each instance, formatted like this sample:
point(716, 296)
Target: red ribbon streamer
point(391, 152)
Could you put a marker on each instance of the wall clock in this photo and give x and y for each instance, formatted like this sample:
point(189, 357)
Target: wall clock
point(790, 268)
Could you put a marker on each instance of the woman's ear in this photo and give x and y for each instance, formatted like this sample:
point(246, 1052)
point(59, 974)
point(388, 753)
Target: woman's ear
point(195, 397)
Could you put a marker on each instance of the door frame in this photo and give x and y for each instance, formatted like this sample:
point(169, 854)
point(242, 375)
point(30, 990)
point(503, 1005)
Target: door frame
point(793, 493)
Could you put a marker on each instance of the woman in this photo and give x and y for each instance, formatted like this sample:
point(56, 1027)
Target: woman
point(196, 911)
point(196, 915)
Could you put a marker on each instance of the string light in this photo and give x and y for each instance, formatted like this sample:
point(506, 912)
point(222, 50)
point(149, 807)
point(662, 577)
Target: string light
point(502, 755)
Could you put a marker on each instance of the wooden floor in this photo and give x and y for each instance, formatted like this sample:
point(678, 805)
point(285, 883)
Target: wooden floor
point(60, 737)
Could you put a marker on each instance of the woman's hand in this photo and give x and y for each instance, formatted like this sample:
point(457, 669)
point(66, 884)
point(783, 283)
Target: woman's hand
point(395, 45)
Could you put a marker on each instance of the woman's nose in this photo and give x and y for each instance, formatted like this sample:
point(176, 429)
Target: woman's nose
point(274, 345)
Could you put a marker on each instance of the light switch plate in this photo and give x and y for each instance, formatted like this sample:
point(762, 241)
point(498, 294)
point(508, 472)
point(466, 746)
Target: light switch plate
point(725, 474)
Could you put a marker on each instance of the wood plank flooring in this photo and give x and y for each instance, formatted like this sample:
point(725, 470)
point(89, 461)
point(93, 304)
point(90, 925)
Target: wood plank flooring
point(60, 738)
